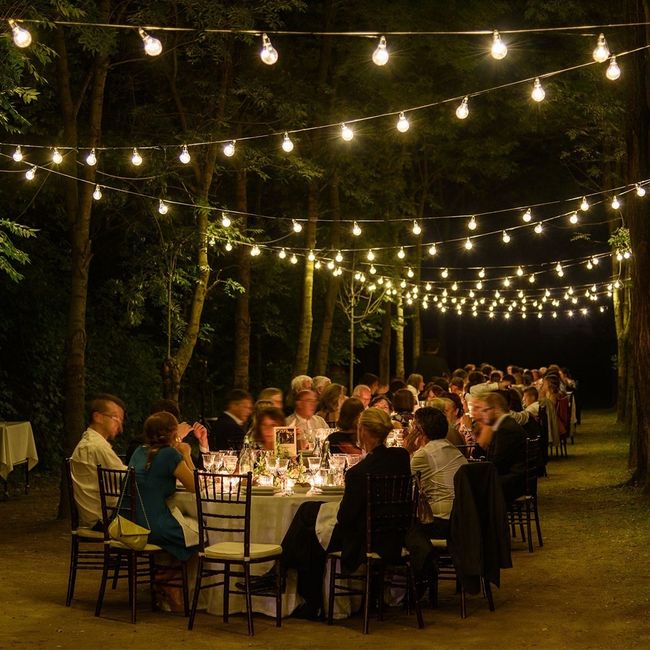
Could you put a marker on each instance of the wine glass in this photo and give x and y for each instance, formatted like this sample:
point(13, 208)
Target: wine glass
point(281, 469)
point(230, 463)
point(337, 464)
point(314, 466)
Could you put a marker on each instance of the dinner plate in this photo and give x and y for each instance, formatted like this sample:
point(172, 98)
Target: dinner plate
point(332, 489)
point(262, 489)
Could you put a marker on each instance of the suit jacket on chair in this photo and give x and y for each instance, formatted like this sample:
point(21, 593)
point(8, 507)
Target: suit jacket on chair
point(225, 433)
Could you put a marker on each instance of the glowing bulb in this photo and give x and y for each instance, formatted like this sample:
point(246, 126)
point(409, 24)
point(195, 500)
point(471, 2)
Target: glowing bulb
point(589, 265)
point(468, 244)
point(613, 72)
point(573, 218)
point(558, 268)
point(520, 271)
point(225, 220)
point(479, 285)
point(255, 251)
point(57, 158)
point(499, 49)
point(229, 149)
point(640, 190)
point(410, 272)
point(136, 158)
point(627, 255)
point(528, 215)
point(370, 256)
point(346, 132)
point(595, 261)
point(506, 237)
point(403, 284)
point(163, 208)
point(317, 265)
point(297, 227)
point(506, 282)
point(228, 246)
point(91, 158)
point(152, 46)
point(584, 205)
point(311, 257)
point(339, 257)
point(287, 144)
point(356, 231)
point(282, 254)
point(432, 250)
point(601, 52)
point(97, 194)
point(380, 56)
point(538, 93)
point(293, 259)
point(454, 287)
point(373, 270)
point(481, 273)
point(539, 228)
point(472, 224)
point(30, 173)
point(184, 155)
point(444, 273)
point(402, 123)
point(401, 254)
point(330, 265)
point(463, 109)
point(616, 204)
point(22, 38)
point(531, 278)
point(18, 154)
point(427, 286)
point(416, 228)
point(268, 53)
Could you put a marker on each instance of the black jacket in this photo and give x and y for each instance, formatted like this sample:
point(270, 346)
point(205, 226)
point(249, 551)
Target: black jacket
point(508, 454)
point(225, 433)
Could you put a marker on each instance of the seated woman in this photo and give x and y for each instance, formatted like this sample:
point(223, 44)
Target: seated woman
point(404, 404)
point(265, 418)
point(158, 463)
point(344, 441)
point(329, 403)
point(382, 402)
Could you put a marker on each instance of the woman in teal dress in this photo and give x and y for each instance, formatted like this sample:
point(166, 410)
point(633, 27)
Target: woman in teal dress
point(158, 463)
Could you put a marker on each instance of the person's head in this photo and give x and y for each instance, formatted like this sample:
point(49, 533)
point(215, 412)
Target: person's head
point(430, 391)
point(374, 427)
point(301, 382)
point(475, 377)
point(331, 398)
point(306, 401)
point(160, 430)
point(495, 376)
point(469, 367)
point(240, 403)
point(351, 409)
point(444, 405)
point(107, 415)
point(495, 406)
point(403, 401)
point(487, 369)
point(370, 380)
point(535, 373)
point(395, 384)
point(530, 396)
point(458, 405)
point(526, 379)
point(550, 384)
point(320, 383)
point(456, 385)
point(382, 402)
point(442, 383)
point(165, 405)
point(363, 393)
point(459, 372)
point(273, 395)
point(266, 418)
point(416, 380)
point(432, 422)
point(508, 380)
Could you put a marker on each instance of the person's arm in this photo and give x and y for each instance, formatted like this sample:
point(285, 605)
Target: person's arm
point(184, 475)
point(186, 452)
point(486, 387)
point(201, 434)
point(520, 417)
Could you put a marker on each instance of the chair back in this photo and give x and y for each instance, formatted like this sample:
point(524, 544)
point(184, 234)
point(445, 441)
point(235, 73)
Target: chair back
point(533, 464)
point(223, 505)
point(74, 512)
point(390, 512)
point(111, 484)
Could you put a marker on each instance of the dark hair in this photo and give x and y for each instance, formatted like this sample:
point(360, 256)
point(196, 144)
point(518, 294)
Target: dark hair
point(432, 422)
point(458, 403)
point(459, 372)
point(531, 390)
point(165, 405)
point(237, 395)
point(395, 385)
point(264, 411)
point(158, 432)
point(369, 379)
point(329, 398)
point(495, 376)
point(99, 403)
point(351, 409)
point(442, 382)
point(527, 379)
point(403, 400)
point(486, 369)
point(496, 400)
point(475, 377)
point(457, 381)
point(379, 398)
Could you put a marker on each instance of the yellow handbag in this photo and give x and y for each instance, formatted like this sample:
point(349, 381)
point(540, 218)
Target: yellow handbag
point(126, 531)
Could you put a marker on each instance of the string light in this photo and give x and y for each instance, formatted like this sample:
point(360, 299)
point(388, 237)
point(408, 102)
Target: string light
point(311, 257)
point(616, 204)
point(91, 158)
point(339, 257)
point(589, 265)
point(163, 208)
point(287, 144)
point(371, 255)
point(152, 46)
point(444, 273)
point(97, 194)
point(416, 228)
point(528, 215)
point(506, 281)
point(498, 49)
point(601, 52)
point(520, 271)
point(463, 109)
point(293, 259)
point(228, 246)
point(472, 224)
point(380, 56)
point(17, 155)
point(373, 270)
point(401, 254)
point(297, 227)
point(22, 37)
point(468, 244)
point(539, 228)
point(356, 231)
point(136, 158)
point(229, 149)
point(432, 250)
point(403, 124)
point(184, 155)
point(506, 237)
point(531, 278)
point(346, 132)
point(410, 272)
point(613, 71)
point(640, 190)
point(454, 287)
point(57, 158)
point(225, 220)
point(255, 251)
point(584, 205)
point(538, 92)
point(30, 173)
point(282, 254)
point(481, 273)
point(573, 219)
point(317, 265)
point(268, 53)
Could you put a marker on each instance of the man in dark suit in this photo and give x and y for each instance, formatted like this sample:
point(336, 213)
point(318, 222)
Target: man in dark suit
point(227, 432)
point(505, 444)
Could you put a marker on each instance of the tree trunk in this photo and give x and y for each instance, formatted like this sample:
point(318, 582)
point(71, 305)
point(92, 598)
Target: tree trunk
point(416, 349)
point(621, 304)
point(242, 310)
point(384, 346)
point(399, 336)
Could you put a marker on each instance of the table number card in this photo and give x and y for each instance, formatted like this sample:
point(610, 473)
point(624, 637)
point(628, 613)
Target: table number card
point(285, 438)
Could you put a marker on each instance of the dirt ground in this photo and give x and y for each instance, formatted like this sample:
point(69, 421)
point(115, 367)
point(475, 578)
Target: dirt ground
point(588, 587)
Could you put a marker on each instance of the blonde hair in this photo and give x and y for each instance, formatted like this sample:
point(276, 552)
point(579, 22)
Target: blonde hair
point(376, 422)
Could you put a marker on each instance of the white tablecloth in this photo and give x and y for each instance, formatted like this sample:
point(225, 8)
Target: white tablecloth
point(16, 446)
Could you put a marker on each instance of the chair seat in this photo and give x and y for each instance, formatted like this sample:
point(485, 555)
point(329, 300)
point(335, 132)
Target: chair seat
point(373, 555)
point(523, 499)
point(234, 551)
point(149, 548)
point(440, 544)
point(89, 533)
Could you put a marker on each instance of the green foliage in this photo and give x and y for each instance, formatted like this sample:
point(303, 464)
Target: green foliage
point(9, 254)
point(620, 239)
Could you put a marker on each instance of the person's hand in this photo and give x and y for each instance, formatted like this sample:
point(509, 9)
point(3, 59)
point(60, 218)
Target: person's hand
point(484, 437)
point(184, 429)
point(201, 434)
point(413, 439)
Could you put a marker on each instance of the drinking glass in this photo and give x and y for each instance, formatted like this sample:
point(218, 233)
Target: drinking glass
point(281, 469)
point(314, 467)
point(337, 465)
point(230, 463)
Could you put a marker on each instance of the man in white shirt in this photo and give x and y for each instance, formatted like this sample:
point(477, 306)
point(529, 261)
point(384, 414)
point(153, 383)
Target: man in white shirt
point(363, 392)
point(94, 448)
point(304, 419)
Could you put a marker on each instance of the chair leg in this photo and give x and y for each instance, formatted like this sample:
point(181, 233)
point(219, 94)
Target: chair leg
point(528, 528)
point(102, 584)
point(380, 580)
point(226, 591)
point(463, 603)
point(278, 594)
point(133, 584)
point(488, 593)
point(249, 600)
point(186, 594)
point(433, 591)
point(520, 519)
point(367, 595)
point(72, 577)
point(330, 597)
point(116, 573)
point(410, 577)
point(197, 591)
point(513, 528)
point(539, 530)
point(152, 582)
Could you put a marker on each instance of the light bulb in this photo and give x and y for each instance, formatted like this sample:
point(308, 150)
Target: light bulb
point(152, 46)
point(184, 155)
point(356, 231)
point(472, 224)
point(640, 190)
point(57, 158)
point(373, 270)
point(416, 228)
point(468, 244)
point(601, 52)
point(520, 271)
point(573, 218)
point(297, 227)
point(499, 49)
point(136, 158)
point(589, 265)
point(595, 261)
point(454, 287)
point(584, 204)
point(225, 220)
point(479, 285)
point(627, 255)
point(317, 265)
point(539, 228)
point(613, 72)
point(229, 149)
point(506, 281)
point(91, 158)
point(97, 194)
point(163, 208)
point(481, 273)
point(403, 284)
point(18, 154)
point(30, 173)
point(346, 132)
point(339, 257)
point(268, 53)
point(228, 246)
point(410, 272)
point(506, 237)
point(538, 93)
point(427, 286)
point(255, 251)
point(432, 250)
point(380, 56)
point(558, 268)
point(402, 123)
point(311, 257)
point(22, 38)
point(287, 144)
point(444, 273)
point(528, 215)
point(282, 254)
point(531, 278)
point(370, 256)
point(619, 256)
point(463, 109)
point(616, 204)
point(401, 254)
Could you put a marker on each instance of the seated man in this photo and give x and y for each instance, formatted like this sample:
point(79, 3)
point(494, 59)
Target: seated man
point(228, 431)
point(362, 392)
point(304, 418)
point(94, 448)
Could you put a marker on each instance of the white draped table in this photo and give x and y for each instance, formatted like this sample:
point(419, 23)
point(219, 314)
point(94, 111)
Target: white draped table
point(17, 447)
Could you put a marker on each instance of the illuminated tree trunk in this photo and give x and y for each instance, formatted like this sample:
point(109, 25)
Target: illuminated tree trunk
point(384, 346)
point(399, 336)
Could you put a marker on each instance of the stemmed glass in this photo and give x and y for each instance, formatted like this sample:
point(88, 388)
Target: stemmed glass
point(281, 469)
point(230, 463)
point(314, 467)
point(337, 464)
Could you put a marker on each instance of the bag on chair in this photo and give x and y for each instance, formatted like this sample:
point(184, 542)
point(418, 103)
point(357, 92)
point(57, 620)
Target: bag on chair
point(126, 531)
point(424, 512)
